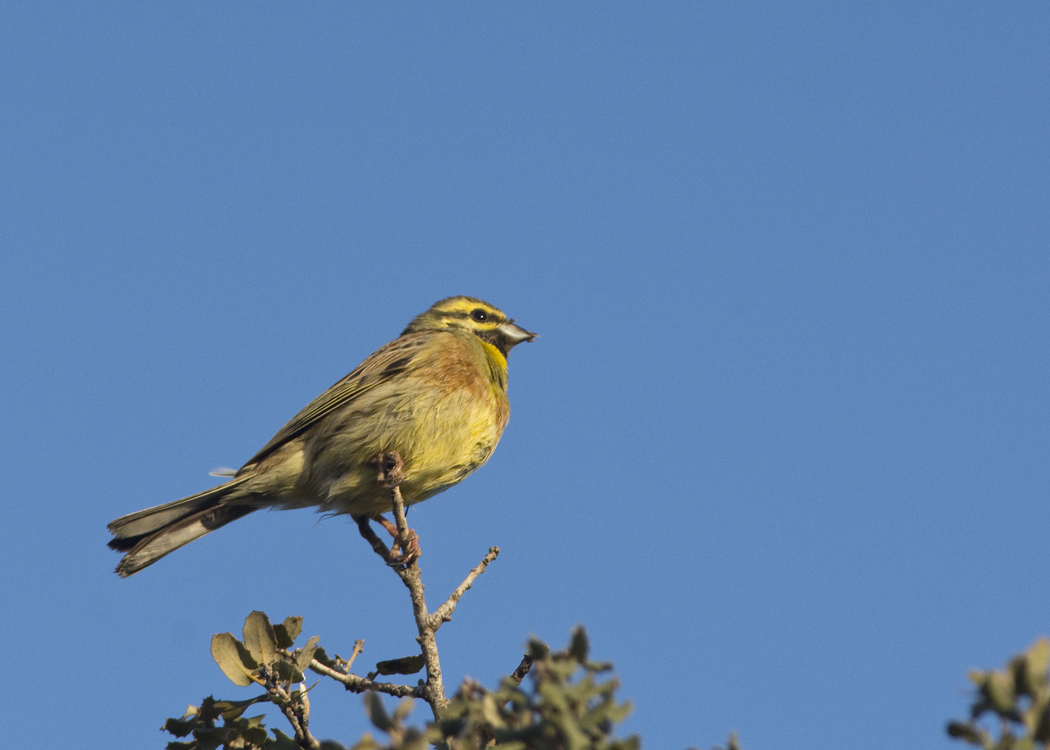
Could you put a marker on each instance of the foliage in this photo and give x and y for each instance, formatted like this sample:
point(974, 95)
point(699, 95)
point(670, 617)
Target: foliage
point(1018, 696)
point(567, 703)
point(234, 732)
point(261, 658)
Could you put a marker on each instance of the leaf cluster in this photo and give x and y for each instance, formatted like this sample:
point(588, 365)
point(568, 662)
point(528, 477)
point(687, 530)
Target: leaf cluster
point(567, 704)
point(568, 701)
point(1018, 696)
point(234, 732)
point(263, 658)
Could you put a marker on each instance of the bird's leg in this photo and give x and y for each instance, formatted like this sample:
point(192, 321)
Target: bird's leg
point(411, 549)
point(365, 528)
point(389, 474)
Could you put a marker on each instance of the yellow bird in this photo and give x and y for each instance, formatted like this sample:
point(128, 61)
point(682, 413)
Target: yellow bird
point(437, 395)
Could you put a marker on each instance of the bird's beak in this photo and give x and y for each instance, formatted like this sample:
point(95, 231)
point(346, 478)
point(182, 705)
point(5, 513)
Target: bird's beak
point(514, 335)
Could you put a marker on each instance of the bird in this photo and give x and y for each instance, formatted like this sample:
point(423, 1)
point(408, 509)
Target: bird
point(436, 395)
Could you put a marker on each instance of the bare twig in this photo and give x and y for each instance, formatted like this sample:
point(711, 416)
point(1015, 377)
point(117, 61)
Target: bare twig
point(298, 715)
point(443, 613)
point(412, 577)
point(359, 646)
point(523, 669)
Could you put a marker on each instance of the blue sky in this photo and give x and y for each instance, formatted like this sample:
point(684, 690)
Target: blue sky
point(782, 445)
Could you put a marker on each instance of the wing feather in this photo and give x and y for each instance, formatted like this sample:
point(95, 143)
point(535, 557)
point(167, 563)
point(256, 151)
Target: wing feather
point(387, 361)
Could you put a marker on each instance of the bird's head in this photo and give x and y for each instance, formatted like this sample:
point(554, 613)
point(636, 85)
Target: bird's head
point(470, 314)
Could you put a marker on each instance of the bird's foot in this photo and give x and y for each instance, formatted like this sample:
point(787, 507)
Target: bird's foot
point(390, 472)
point(402, 551)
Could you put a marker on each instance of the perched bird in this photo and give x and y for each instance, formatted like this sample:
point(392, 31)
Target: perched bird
point(437, 395)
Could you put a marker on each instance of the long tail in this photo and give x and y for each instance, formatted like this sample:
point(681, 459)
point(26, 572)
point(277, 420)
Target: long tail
point(150, 534)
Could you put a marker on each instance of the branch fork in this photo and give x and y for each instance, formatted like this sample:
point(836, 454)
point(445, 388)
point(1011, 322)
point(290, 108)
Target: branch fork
point(403, 558)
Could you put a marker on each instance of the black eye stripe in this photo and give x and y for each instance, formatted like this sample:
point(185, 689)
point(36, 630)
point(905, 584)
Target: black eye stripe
point(490, 317)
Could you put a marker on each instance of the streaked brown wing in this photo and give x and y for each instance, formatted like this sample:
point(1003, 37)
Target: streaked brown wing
point(386, 362)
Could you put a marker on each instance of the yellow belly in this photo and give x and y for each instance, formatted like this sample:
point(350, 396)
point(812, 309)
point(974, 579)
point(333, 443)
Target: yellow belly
point(443, 428)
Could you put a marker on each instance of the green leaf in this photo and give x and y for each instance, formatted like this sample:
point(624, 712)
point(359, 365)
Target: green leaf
point(324, 658)
point(288, 631)
point(617, 713)
point(287, 672)
point(256, 736)
point(207, 711)
point(259, 638)
point(414, 740)
point(281, 741)
point(1000, 691)
point(538, 649)
point(210, 739)
point(230, 710)
point(377, 712)
point(1041, 731)
point(404, 708)
point(366, 743)
point(179, 727)
point(404, 665)
point(490, 711)
point(233, 659)
point(302, 661)
point(579, 645)
point(1037, 662)
point(979, 707)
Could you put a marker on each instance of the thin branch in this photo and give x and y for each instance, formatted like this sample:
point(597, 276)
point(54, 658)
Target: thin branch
point(523, 669)
point(356, 684)
point(298, 717)
point(389, 474)
point(412, 577)
point(359, 646)
point(443, 614)
point(295, 709)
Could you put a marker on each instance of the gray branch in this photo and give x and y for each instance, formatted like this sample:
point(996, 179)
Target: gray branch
point(389, 474)
point(443, 613)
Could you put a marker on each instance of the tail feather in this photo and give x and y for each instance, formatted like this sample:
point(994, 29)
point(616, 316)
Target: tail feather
point(150, 534)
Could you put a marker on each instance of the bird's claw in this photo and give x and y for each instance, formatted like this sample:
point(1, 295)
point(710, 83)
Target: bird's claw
point(402, 552)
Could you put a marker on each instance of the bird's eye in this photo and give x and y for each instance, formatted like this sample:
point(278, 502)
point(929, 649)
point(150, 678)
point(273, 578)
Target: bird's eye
point(479, 315)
